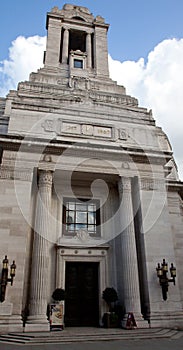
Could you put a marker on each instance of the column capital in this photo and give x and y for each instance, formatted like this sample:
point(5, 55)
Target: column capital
point(124, 184)
point(45, 178)
point(89, 31)
point(66, 28)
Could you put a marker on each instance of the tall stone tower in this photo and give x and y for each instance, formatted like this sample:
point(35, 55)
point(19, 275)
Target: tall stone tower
point(90, 196)
point(77, 40)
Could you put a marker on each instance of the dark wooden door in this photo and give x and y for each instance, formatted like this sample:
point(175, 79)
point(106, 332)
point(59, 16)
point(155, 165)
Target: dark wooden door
point(82, 303)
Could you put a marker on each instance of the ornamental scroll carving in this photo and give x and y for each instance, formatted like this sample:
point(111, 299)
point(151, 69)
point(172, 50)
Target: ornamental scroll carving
point(123, 134)
point(82, 235)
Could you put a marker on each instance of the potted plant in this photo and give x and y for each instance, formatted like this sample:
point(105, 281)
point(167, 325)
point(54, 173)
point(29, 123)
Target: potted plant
point(57, 309)
point(58, 295)
point(110, 319)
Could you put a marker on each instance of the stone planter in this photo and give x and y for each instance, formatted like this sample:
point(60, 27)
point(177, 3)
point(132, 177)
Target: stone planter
point(110, 320)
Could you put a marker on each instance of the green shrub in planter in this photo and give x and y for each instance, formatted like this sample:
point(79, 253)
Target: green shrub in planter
point(58, 294)
point(110, 296)
point(110, 319)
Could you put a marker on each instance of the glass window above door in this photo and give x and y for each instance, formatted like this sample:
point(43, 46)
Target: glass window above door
point(81, 214)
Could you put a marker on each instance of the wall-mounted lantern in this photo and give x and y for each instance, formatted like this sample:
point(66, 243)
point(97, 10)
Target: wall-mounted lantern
point(4, 277)
point(162, 272)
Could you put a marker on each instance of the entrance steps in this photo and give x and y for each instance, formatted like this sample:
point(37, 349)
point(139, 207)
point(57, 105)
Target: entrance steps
point(85, 334)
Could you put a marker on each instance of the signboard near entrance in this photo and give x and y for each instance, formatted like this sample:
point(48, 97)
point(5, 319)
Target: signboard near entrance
point(130, 322)
point(57, 316)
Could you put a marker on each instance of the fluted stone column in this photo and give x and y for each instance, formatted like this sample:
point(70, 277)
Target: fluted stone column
point(40, 254)
point(131, 292)
point(65, 49)
point(89, 50)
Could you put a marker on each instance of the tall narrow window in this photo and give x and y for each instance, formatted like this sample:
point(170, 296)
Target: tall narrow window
point(77, 40)
point(1, 154)
point(92, 46)
point(81, 214)
point(61, 45)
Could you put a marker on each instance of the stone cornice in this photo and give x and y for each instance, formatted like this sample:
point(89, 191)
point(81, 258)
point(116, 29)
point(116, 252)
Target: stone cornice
point(69, 13)
point(76, 95)
point(73, 24)
point(30, 144)
point(175, 186)
point(65, 249)
point(139, 119)
point(148, 157)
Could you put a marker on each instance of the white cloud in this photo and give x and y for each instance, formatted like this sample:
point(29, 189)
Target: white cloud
point(25, 56)
point(157, 83)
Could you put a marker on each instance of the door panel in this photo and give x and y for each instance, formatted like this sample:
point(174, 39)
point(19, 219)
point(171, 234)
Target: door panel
point(82, 304)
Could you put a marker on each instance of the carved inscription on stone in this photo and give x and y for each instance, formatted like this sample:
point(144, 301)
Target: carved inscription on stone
point(102, 132)
point(97, 131)
point(71, 128)
point(64, 127)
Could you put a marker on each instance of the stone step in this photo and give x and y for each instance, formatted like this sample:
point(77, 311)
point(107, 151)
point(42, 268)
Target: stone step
point(71, 335)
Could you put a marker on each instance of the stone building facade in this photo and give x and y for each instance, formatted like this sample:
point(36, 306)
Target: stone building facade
point(89, 192)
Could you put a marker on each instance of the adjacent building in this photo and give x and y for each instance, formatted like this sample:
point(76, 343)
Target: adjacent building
point(89, 192)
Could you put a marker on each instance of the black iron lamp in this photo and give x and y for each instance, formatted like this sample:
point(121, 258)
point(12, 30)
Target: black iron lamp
point(4, 277)
point(162, 271)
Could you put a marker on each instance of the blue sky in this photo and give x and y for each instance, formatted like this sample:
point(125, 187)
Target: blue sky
point(136, 25)
point(145, 42)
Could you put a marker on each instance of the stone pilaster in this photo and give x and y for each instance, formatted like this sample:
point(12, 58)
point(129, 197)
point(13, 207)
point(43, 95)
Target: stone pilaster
point(40, 255)
point(131, 292)
point(89, 50)
point(65, 49)
point(53, 43)
point(101, 51)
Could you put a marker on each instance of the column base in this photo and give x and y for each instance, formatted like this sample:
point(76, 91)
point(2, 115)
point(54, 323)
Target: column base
point(134, 320)
point(37, 324)
point(167, 319)
point(10, 324)
point(36, 327)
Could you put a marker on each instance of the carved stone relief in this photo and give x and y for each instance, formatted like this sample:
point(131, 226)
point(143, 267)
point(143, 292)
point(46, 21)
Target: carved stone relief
point(123, 134)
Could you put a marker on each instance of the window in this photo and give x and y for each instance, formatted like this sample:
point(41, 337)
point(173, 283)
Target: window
point(77, 40)
point(78, 63)
point(81, 214)
point(1, 154)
